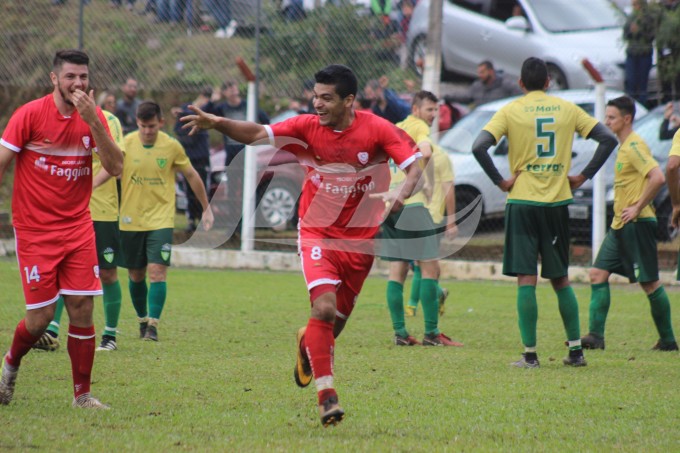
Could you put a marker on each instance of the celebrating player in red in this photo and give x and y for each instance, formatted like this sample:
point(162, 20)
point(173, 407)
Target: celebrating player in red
point(341, 207)
point(53, 139)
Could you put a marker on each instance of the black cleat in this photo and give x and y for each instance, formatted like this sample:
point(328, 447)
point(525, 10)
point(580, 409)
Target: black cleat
point(330, 412)
point(142, 329)
point(592, 341)
point(661, 346)
point(575, 358)
point(151, 333)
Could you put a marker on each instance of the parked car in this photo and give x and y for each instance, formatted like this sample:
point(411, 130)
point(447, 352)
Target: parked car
point(580, 213)
point(279, 183)
point(560, 32)
point(471, 181)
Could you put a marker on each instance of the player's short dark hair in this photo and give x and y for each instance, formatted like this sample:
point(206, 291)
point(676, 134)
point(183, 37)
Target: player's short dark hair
point(73, 56)
point(341, 76)
point(423, 95)
point(534, 74)
point(625, 104)
point(487, 64)
point(149, 110)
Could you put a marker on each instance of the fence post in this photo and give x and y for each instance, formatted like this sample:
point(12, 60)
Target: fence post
point(250, 166)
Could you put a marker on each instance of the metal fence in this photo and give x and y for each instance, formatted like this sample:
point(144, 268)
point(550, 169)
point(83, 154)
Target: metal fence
point(175, 48)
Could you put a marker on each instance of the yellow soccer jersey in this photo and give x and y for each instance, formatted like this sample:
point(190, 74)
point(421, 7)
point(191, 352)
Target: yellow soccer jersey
point(419, 131)
point(148, 182)
point(633, 162)
point(675, 148)
point(540, 130)
point(104, 200)
point(443, 172)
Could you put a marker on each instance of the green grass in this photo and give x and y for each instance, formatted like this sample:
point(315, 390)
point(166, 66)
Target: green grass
point(220, 379)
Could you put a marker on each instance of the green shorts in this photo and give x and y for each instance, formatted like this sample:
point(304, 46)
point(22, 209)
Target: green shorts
point(414, 239)
point(531, 231)
point(139, 248)
point(631, 252)
point(107, 236)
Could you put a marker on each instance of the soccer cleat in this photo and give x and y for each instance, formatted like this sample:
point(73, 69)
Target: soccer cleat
point(592, 341)
point(330, 412)
point(47, 342)
point(575, 358)
point(439, 340)
point(661, 346)
point(108, 343)
point(142, 329)
point(87, 401)
point(405, 341)
point(7, 382)
point(410, 310)
point(524, 363)
point(151, 333)
point(303, 369)
point(442, 299)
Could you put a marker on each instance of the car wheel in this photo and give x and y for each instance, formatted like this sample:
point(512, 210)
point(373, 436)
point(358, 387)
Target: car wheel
point(663, 217)
point(558, 81)
point(277, 206)
point(416, 55)
point(464, 197)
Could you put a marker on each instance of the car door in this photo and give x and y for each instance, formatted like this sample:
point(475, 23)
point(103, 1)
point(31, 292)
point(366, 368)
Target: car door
point(460, 35)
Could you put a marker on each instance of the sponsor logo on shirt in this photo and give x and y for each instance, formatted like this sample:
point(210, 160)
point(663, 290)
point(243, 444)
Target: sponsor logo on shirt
point(350, 190)
point(71, 174)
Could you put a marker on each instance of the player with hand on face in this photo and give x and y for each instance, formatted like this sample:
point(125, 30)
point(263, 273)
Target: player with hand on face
point(343, 202)
point(52, 139)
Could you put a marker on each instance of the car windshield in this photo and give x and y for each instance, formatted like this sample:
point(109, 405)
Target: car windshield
point(648, 128)
point(560, 16)
point(461, 136)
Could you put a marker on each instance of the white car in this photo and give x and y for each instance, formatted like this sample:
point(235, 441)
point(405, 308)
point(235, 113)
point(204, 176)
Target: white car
point(471, 181)
point(561, 32)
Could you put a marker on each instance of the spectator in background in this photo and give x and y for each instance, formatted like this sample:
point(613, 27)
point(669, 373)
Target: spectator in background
point(107, 101)
point(293, 10)
point(221, 11)
point(386, 103)
point(308, 95)
point(671, 121)
point(126, 108)
point(489, 86)
point(668, 49)
point(197, 148)
point(638, 32)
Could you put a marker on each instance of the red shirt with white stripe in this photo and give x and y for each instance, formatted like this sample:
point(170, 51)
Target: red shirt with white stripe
point(343, 168)
point(53, 171)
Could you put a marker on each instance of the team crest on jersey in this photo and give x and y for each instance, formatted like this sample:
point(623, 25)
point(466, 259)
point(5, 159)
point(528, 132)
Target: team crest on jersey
point(161, 161)
point(619, 166)
point(363, 157)
point(165, 251)
point(86, 141)
point(96, 271)
point(108, 255)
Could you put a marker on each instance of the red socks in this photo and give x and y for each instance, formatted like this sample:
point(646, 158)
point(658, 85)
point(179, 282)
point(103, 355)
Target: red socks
point(81, 344)
point(23, 340)
point(319, 344)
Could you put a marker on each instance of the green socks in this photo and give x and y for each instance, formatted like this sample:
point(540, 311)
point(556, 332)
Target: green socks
point(138, 294)
point(569, 311)
point(600, 300)
point(415, 287)
point(112, 302)
point(53, 328)
point(527, 311)
point(157, 293)
point(661, 313)
point(395, 303)
point(428, 297)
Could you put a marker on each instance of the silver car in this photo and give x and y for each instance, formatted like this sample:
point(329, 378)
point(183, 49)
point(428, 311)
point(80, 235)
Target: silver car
point(561, 32)
point(471, 181)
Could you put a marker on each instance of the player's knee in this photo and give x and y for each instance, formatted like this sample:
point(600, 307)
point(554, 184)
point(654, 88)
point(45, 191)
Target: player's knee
point(597, 276)
point(323, 307)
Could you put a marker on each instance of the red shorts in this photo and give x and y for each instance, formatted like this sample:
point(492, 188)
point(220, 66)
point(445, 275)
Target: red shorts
point(57, 262)
point(346, 271)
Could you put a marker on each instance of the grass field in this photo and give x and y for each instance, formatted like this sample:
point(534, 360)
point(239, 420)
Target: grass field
point(220, 379)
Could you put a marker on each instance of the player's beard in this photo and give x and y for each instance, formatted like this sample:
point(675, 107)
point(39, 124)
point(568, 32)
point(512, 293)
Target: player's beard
point(64, 95)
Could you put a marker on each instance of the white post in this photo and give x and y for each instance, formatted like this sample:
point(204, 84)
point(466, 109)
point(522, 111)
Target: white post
point(249, 180)
point(599, 207)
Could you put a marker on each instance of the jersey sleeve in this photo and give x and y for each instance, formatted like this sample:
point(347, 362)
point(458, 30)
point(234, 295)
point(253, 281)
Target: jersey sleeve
point(498, 124)
point(115, 129)
point(105, 123)
point(641, 158)
point(675, 147)
point(422, 134)
point(584, 122)
point(443, 169)
point(398, 145)
point(289, 133)
point(18, 130)
point(181, 159)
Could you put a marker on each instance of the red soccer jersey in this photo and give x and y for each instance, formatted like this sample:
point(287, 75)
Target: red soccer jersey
point(53, 172)
point(343, 167)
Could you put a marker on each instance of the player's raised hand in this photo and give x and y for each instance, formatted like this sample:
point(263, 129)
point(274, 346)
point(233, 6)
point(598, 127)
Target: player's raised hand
point(85, 104)
point(201, 120)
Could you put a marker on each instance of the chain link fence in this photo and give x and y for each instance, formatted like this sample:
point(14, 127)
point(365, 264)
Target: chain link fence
point(177, 48)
